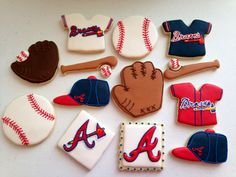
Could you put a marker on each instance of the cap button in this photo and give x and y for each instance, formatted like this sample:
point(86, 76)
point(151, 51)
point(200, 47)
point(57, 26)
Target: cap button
point(92, 77)
point(210, 130)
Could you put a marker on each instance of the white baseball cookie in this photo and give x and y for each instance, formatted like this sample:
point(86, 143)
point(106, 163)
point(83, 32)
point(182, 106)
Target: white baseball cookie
point(28, 120)
point(134, 37)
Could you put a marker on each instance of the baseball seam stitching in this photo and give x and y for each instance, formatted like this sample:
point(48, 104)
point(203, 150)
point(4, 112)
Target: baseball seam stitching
point(175, 63)
point(121, 36)
point(146, 37)
point(38, 109)
point(19, 131)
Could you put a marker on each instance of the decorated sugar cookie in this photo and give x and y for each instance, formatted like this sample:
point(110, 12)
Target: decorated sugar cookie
point(206, 146)
point(196, 107)
point(187, 41)
point(141, 147)
point(28, 120)
point(38, 64)
point(90, 92)
point(141, 89)
point(134, 37)
point(175, 69)
point(103, 64)
point(86, 140)
point(86, 36)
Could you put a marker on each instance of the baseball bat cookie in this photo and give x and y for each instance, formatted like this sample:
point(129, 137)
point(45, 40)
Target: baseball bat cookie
point(104, 64)
point(175, 70)
point(134, 37)
point(28, 120)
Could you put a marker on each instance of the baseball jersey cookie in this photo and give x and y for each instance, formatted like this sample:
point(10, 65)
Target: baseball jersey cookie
point(134, 37)
point(141, 90)
point(206, 146)
point(86, 36)
point(196, 107)
point(28, 120)
point(90, 92)
point(141, 147)
point(187, 41)
point(86, 140)
point(38, 64)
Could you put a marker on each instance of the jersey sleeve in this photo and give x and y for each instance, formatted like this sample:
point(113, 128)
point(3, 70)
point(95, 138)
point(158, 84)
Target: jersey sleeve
point(205, 27)
point(178, 90)
point(72, 19)
point(103, 22)
point(64, 21)
point(214, 91)
point(166, 26)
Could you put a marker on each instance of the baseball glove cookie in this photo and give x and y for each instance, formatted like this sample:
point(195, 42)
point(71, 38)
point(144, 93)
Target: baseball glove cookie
point(141, 90)
point(41, 63)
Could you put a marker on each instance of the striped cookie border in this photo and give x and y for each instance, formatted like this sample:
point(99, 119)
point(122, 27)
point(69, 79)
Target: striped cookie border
point(121, 151)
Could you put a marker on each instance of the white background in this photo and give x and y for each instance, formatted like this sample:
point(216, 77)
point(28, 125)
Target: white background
point(25, 22)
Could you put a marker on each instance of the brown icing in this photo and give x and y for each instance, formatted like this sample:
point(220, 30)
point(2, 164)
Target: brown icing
point(188, 69)
point(41, 64)
point(141, 90)
point(95, 64)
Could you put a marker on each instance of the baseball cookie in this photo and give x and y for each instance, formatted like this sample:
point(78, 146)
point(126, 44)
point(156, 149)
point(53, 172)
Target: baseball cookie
point(86, 140)
point(196, 107)
point(134, 37)
point(86, 36)
point(141, 90)
point(28, 120)
point(141, 147)
point(187, 41)
point(39, 64)
point(206, 146)
point(90, 92)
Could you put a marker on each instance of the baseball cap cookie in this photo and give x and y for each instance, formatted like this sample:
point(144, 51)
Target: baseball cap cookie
point(206, 146)
point(90, 92)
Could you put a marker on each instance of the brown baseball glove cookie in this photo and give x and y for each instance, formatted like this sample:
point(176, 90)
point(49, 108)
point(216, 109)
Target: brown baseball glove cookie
point(38, 64)
point(141, 90)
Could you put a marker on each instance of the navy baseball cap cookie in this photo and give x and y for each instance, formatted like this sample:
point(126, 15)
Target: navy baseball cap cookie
point(91, 92)
point(206, 146)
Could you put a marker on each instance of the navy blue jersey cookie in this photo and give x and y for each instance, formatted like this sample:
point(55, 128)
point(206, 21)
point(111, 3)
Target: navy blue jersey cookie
point(91, 92)
point(187, 41)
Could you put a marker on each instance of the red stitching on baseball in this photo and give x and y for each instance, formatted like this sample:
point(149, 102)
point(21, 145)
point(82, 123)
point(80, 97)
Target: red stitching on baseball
point(146, 37)
point(20, 59)
point(175, 63)
point(19, 131)
point(121, 36)
point(39, 110)
point(24, 54)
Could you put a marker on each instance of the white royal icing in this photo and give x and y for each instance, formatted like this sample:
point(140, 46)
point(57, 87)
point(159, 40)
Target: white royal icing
point(82, 40)
point(82, 153)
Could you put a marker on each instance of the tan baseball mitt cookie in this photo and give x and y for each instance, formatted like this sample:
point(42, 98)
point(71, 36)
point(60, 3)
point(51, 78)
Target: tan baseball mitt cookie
point(141, 90)
point(41, 63)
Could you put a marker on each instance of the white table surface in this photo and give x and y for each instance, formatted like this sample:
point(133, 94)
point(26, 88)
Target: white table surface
point(25, 22)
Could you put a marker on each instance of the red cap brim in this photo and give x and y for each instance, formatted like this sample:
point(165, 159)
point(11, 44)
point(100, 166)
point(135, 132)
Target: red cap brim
point(66, 100)
point(184, 153)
